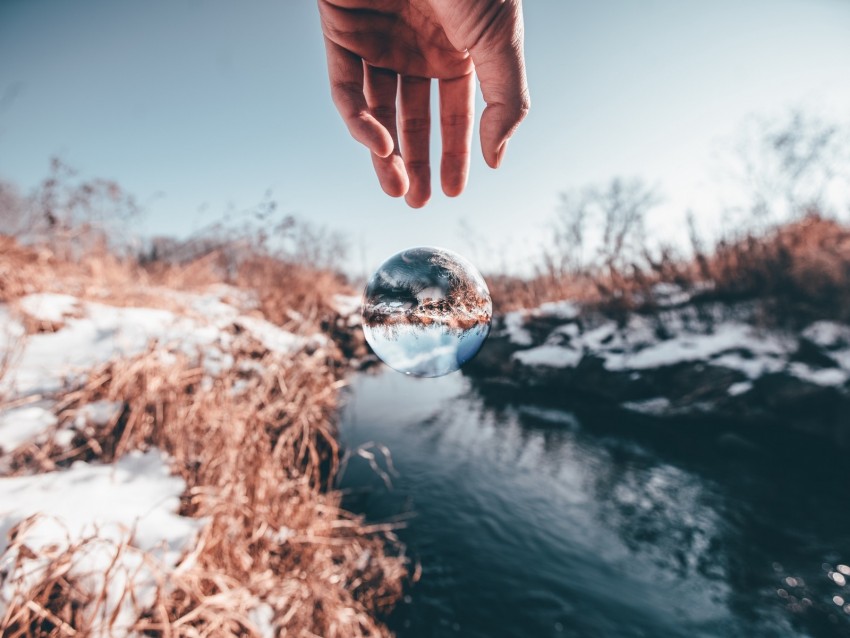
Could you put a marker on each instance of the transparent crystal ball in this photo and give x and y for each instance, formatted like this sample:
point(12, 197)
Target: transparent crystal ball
point(426, 311)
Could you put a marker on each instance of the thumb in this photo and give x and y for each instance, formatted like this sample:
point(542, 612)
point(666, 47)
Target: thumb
point(500, 66)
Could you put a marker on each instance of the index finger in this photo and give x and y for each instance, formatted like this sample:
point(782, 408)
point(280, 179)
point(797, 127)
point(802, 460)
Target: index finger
point(345, 71)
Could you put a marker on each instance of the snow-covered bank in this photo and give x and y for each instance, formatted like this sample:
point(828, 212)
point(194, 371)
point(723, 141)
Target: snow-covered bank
point(92, 394)
point(122, 517)
point(684, 359)
point(92, 333)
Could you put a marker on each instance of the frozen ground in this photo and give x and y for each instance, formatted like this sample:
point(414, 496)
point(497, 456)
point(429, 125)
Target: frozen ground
point(684, 358)
point(681, 336)
point(125, 514)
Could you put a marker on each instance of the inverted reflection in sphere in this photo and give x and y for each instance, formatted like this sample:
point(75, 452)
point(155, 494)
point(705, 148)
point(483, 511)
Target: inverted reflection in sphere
point(426, 311)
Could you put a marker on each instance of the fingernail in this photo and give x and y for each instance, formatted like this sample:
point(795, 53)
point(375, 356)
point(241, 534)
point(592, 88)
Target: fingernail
point(501, 153)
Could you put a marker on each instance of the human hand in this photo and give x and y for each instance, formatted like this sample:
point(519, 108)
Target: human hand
point(382, 55)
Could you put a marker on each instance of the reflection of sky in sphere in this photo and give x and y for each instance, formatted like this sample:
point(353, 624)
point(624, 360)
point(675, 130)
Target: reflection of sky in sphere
point(426, 351)
point(426, 311)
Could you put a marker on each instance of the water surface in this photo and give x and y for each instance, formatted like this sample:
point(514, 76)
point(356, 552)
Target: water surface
point(529, 521)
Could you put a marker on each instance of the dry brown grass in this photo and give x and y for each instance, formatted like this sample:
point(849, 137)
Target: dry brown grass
point(52, 610)
point(27, 269)
point(798, 272)
point(291, 294)
point(256, 461)
point(801, 269)
point(511, 292)
point(255, 445)
point(22, 269)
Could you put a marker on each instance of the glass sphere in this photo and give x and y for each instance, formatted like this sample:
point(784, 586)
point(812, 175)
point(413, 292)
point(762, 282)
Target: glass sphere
point(426, 311)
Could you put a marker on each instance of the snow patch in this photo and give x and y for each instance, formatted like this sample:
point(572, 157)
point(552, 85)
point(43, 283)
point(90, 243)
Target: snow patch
point(828, 377)
point(98, 413)
point(828, 334)
point(658, 406)
point(11, 332)
point(48, 306)
point(559, 309)
point(277, 339)
point(551, 356)
point(515, 328)
point(19, 425)
point(667, 295)
point(696, 347)
point(262, 616)
point(134, 501)
point(348, 306)
point(739, 388)
point(48, 361)
point(750, 367)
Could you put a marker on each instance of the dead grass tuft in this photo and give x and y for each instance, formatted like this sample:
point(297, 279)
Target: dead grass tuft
point(290, 294)
point(257, 450)
point(801, 269)
point(22, 269)
point(53, 607)
point(510, 292)
point(56, 595)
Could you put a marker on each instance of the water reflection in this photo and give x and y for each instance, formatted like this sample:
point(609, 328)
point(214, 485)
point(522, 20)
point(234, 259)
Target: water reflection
point(530, 522)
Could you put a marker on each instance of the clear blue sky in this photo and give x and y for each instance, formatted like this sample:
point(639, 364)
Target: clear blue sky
point(214, 102)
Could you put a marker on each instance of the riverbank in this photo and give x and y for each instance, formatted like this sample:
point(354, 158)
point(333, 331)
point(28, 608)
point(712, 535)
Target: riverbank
point(752, 333)
point(686, 359)
point(167, 452)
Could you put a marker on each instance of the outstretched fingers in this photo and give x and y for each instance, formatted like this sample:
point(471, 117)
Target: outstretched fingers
point(415, 123)
point(381, 88)
point(345, 71)
point(457, 113)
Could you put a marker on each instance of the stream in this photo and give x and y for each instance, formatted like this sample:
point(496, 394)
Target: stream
point(529, 521)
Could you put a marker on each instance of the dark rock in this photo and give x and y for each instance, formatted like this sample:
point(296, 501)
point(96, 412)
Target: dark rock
point(812, 354)
point(696, 390)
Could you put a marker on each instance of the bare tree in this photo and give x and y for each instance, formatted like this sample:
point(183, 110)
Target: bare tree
point(790, 166)
point(261, 230)
point(312, 244)
point(568, 237)
point(601, 228)
point(623, 206)
point(69, 214)
point(12, 209)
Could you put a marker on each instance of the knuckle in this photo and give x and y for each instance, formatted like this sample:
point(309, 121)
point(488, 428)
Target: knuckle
point(519, 106)
point(456, 120)
point(524, 104)
point(383, 113)
point(452, 156)
point(346, 95)
point(346, 87)
point(416, 124)
point(420, 167)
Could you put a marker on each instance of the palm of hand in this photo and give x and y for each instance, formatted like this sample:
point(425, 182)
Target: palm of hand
point(381, 57)
point(402, 36)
